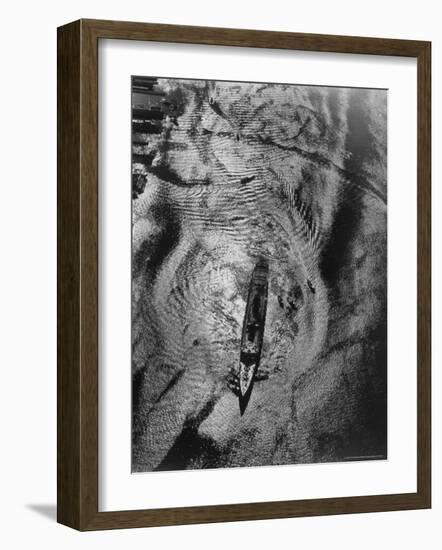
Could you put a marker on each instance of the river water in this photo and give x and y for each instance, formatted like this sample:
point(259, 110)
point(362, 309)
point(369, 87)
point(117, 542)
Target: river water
point(293, 174)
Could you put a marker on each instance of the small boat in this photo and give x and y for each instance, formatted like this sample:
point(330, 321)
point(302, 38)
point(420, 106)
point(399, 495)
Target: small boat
point(253, 331)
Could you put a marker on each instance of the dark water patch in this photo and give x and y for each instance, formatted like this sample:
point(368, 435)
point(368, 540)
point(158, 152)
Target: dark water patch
point(247, 179)
point(138, 184)
point(145, 159)
point(191, 446)
point(165, 173)
point(151, 255)
point(346, 223)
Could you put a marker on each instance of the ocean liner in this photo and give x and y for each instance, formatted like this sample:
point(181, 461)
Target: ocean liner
point(253, 332)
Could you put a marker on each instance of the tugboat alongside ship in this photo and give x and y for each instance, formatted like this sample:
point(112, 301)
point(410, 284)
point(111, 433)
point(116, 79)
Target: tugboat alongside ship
point(253, 332)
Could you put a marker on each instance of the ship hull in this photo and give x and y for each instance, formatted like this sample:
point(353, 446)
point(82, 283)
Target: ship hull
point(253, 332)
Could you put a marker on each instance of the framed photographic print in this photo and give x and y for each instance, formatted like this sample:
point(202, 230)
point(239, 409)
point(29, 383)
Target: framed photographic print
point(243, 275)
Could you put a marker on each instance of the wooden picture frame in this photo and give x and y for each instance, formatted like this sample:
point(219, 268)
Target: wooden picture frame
point(78, 274)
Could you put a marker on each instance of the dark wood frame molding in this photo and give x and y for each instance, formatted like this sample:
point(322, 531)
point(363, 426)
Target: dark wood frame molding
point(77, 225)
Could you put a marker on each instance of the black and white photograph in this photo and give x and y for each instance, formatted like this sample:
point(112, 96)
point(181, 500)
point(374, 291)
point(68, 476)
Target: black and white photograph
point(259, 274)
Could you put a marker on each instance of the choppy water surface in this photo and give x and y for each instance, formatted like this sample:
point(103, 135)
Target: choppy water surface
point(241, 171)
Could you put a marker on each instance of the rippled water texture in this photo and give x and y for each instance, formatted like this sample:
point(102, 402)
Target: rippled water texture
point(294, 174)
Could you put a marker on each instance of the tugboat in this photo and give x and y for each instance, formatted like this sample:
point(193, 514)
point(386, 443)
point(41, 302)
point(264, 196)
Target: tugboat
point(253, 332)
